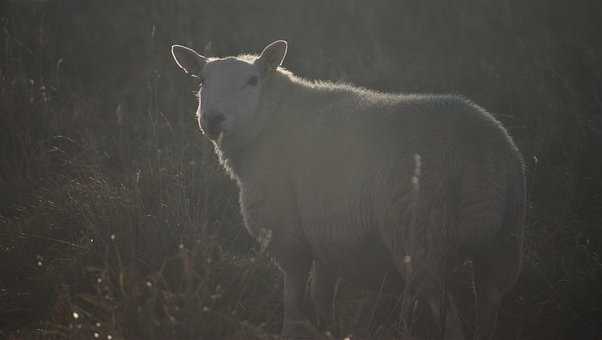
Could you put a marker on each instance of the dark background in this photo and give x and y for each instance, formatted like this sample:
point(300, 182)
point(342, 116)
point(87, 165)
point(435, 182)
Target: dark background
point(112, 205)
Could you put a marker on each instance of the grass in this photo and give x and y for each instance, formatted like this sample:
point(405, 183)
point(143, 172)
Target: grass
point(114, 209)
point(127, 248)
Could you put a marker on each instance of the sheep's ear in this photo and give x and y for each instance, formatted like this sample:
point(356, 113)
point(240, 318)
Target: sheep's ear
point(273, 55)
point(188, 59)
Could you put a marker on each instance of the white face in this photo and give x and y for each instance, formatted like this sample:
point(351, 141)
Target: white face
point(230, 88)
point(228, 97)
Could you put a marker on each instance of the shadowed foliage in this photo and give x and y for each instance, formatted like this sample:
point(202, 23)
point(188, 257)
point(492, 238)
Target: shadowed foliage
point(115, 218)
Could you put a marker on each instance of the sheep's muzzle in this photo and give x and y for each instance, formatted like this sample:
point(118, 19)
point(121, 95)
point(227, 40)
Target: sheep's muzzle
point(212, 125)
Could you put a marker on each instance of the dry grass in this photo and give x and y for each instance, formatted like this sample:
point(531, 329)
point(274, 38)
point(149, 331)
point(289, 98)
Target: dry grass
point(112, 205)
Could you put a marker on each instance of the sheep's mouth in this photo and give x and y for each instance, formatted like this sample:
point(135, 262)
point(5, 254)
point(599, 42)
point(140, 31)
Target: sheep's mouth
point(213, 131)
point(213, 126)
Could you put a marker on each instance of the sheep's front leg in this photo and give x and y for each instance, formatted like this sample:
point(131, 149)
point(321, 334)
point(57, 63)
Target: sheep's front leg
point(295, 268)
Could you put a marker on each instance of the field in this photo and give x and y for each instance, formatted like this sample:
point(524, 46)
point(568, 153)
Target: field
point(116, 221)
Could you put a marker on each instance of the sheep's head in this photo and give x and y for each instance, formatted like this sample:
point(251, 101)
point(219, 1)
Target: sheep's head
point(230, 88)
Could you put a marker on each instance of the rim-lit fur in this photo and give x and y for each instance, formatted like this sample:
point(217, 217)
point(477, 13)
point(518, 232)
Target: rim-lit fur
point(365, 185)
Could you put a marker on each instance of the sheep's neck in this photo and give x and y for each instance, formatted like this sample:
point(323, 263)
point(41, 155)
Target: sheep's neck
point(289, 105)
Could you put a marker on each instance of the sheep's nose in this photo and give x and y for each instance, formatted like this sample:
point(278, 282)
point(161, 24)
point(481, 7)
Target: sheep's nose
point(213, 125)
point(215, 118)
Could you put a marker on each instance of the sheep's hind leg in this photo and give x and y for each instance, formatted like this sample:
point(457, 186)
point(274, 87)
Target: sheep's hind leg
point(323, 292)
point(434, 290)
point(496, 271)
point(453, 324)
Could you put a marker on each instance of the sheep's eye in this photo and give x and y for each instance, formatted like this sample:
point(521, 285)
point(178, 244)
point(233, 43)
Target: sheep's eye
point(252, 81)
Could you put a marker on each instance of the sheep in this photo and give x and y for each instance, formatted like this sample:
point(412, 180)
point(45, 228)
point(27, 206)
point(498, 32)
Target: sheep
point(354, 183)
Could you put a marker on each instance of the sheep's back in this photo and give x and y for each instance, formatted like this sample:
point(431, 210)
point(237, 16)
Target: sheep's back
point(355, 168)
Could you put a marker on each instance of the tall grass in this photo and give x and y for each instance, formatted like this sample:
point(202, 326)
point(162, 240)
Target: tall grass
point(111, 234)
point(115, 218)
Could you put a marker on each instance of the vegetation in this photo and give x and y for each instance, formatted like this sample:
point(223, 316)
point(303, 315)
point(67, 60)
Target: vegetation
point(117, 223)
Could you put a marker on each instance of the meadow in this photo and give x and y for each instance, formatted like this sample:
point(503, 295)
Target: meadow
point(117, 222)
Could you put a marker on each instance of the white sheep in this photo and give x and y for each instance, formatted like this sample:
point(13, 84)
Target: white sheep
point(364, 184)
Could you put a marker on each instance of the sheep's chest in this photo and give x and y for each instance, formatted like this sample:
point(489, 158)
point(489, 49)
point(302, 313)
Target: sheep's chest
point(337, 219)
point(343, 235)
point(334, 220)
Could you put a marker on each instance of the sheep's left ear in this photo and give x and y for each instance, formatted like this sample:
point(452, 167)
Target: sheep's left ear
point(188, 59)
point(273, 55)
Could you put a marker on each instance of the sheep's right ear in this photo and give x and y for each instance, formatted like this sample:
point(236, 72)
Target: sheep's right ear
point(188, 59)
point(273, 55)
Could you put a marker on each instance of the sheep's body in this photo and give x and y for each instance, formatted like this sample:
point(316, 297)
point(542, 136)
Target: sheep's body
point(368, 184)
point(332, 174)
